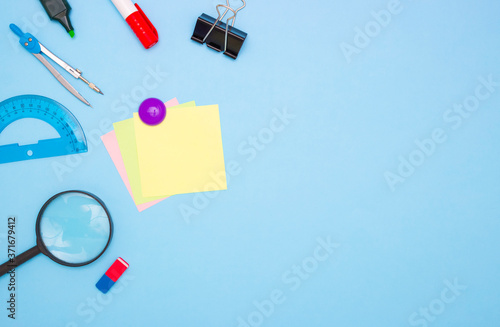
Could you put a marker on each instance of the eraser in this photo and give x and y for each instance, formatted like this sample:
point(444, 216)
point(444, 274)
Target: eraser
point(112, 275)
point(117, 269)
point(104, 284)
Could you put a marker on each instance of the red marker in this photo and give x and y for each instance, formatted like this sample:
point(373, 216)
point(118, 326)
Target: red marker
point(138, 22)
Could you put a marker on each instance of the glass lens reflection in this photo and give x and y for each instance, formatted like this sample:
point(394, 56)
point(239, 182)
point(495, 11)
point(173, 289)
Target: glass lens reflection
point(75, 228)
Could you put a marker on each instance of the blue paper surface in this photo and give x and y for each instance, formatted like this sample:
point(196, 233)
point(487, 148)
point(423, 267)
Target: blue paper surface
point(361, 142)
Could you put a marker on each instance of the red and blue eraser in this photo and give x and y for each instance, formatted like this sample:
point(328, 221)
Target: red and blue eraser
point(112, 275)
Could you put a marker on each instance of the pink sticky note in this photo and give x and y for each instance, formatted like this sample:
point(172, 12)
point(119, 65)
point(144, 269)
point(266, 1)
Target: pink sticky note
point(111, 144)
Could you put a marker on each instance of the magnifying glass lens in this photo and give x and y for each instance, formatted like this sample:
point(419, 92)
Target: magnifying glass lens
point(74, 228)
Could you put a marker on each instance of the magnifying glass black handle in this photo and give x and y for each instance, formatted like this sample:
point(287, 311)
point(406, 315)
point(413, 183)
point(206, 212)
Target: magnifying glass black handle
point(20, 259)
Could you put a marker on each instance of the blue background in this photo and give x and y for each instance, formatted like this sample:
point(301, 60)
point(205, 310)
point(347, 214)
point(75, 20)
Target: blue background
point(322, 176)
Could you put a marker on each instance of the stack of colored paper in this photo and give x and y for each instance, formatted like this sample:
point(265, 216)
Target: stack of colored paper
point(183, 154)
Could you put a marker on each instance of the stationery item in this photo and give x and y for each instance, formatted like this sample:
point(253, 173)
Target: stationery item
point(59, 10)
point(125, 133)
point(111, 143)
point(152, 111)
point(183, 154)
point(72, 138)
point(112, 275)
point(218, 35)
point(30, 43)
point(138, 22)
point(73, 228)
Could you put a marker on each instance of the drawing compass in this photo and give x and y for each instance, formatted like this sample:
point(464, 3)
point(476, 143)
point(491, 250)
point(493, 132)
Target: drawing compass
point(30, 43)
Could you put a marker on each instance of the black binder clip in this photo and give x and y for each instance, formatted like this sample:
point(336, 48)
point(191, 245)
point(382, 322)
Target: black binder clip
point(218, 35)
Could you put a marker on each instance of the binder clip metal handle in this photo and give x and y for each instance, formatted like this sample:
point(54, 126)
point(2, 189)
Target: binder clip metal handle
point(210, 30)
point(228, 8)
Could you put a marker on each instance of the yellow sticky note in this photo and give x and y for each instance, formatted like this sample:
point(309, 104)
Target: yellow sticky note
point(183, 154)
point(125, 134)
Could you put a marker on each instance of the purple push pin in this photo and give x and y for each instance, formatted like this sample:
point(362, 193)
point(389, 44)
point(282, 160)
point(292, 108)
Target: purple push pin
point(152, 111)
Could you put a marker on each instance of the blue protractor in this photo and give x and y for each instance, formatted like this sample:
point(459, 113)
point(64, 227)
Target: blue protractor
point(72, 138)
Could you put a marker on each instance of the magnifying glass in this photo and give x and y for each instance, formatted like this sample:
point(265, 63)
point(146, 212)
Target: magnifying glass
point(73, 228)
